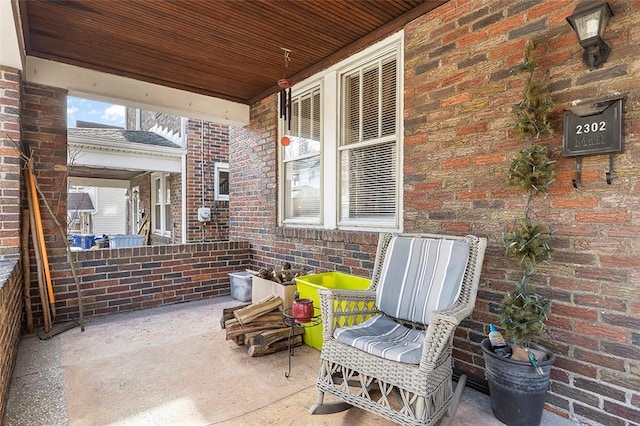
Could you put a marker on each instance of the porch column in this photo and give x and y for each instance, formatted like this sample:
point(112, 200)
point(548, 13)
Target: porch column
point(9, 162)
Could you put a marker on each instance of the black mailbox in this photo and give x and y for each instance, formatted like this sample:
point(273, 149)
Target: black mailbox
point(593, 129)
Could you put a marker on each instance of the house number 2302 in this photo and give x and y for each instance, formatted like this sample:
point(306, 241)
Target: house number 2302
point(591, 127)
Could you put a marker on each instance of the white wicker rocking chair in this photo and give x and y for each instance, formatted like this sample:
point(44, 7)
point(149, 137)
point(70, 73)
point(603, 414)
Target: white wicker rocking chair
point(387, 349)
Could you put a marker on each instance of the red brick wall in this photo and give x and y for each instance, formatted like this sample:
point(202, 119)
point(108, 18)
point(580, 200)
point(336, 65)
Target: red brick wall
point(127, 279)
point(9, 162)
point(11, 281)
point(201, 164)
point(215, 138)
point(459, 140)
point(253, 208)
point(44, 130)
point(135, 277)
point(175, 181)
point(11, 290)
point(252, 179)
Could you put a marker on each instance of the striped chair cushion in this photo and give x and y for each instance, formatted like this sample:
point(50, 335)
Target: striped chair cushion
point(383, 337)
point(420, 275)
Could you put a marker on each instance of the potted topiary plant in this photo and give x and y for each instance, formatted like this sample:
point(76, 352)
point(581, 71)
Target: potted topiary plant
point(523, 311)
point(518, 384)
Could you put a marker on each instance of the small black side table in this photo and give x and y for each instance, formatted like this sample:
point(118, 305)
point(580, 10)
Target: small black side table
point(292, 323)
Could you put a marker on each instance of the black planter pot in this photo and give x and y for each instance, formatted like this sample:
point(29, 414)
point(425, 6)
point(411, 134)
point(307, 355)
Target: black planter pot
point(518, 392)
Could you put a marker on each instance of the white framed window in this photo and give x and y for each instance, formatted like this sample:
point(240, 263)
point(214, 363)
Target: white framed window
point(302, 161)
point(368, 144)
point(161, 219)
point(351, 145)
point(221, 181)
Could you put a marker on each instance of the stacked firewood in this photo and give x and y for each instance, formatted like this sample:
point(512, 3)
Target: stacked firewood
point(261, 327)
point(284, 275)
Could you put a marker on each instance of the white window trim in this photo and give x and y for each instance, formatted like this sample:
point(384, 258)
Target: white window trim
point(304, 222)
point(219, 167)
point(158, 228)
point(329, 82)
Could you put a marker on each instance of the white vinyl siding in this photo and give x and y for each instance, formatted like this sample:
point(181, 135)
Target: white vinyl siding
point(111, 213)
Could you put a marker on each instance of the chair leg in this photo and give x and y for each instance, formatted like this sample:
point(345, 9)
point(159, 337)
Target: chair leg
point(420, 408)
point(329, 408)
point(332, 407)
point(457, 396)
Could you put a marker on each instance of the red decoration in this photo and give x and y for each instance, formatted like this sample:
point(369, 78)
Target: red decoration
point(284, 83)
point(302, 310)
point(285, 141)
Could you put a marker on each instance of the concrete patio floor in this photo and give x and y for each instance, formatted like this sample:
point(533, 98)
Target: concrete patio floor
point(173, 366)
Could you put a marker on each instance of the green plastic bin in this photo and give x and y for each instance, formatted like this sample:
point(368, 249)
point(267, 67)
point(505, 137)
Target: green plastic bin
point(308, 286)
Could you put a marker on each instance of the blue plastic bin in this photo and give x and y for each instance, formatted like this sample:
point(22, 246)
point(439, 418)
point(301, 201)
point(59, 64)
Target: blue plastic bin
point(83, 241)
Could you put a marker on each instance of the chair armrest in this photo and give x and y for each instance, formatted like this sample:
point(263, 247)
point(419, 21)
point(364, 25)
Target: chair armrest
point(439, 334)
point(340, 307)
point(457, 311)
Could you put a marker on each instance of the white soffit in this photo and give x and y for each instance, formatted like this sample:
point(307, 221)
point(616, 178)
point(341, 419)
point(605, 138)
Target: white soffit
point(107, 158)
point(10, 46)
point(137, 94)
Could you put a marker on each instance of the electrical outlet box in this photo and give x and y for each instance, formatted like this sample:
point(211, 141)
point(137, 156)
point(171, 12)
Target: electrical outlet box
point(204, 214)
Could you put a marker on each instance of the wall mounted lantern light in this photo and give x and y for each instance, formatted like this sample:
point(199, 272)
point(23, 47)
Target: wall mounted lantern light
point(589, 21)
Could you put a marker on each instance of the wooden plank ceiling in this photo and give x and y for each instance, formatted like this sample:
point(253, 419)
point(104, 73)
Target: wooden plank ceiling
point(229, 49)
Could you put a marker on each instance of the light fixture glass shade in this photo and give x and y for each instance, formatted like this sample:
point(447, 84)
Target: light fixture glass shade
point(588, 26)
point(589, 21)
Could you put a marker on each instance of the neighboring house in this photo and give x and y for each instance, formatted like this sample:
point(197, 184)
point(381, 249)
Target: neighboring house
point(109, 160)
point(142, 168)
point(111, 211)
point(100, 210)
point(205, 183)
point(80, 210)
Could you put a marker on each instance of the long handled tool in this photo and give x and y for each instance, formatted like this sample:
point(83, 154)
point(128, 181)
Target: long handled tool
point(39, 230)
point(46, 313)
point(26, 270)
point(50, 329)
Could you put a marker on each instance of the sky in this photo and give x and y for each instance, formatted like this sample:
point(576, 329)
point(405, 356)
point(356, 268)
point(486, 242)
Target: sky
point(93, 111)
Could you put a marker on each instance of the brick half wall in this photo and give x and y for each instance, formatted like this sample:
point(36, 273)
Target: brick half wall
point(10, 321)
point(128, 279)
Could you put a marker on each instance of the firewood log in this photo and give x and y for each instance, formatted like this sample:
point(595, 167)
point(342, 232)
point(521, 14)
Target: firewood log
point(281, 345)
point(267, 321)
point(268, 337)
point(255, 310)
point(227, 313)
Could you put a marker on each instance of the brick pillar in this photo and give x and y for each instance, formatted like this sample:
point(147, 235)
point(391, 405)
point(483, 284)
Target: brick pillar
point(207, 143)
point(44, 133)
point(10, 268)
point(9, 162)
